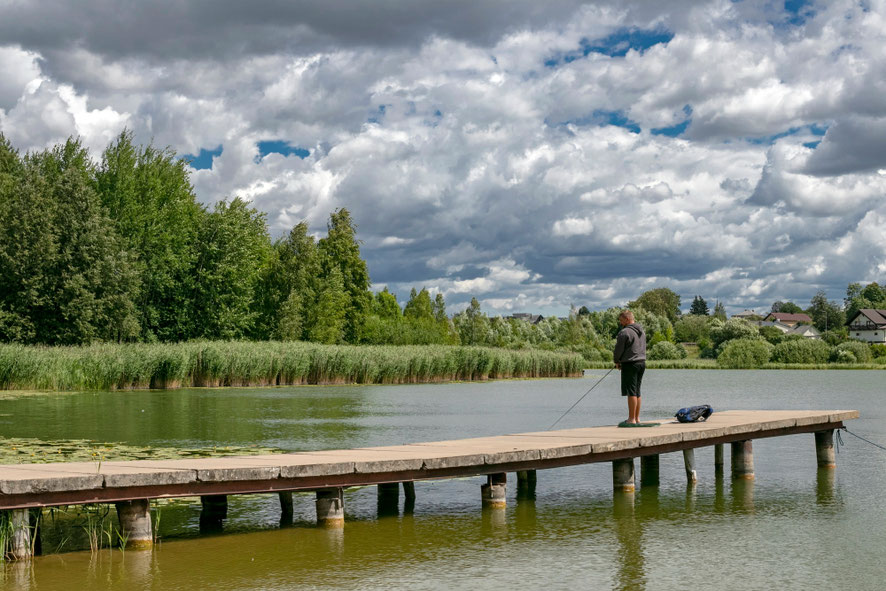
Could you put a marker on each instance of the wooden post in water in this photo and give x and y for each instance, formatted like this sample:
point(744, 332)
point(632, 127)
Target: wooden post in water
point(743, 460)
point(20, 528)
point(213, 513)
point(330, 507)
point(623, 475)
point(409, 491)
point(494, 491)
point(824, 449)
point(526, 480)
point(135, 523)
point(388, 499)
point(286, 507)
point(689, 464)
point(718, 460)
point(649, 470)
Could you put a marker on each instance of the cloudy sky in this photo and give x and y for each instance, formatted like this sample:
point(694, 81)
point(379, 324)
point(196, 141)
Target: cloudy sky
point(531, 154)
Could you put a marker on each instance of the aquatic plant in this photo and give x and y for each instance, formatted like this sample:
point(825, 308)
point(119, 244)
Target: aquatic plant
point(218, 363)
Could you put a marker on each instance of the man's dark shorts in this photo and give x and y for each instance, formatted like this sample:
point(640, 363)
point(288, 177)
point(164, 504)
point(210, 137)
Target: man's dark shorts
point(632, 377)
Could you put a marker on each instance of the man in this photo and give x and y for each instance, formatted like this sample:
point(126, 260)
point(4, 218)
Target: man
point(630, 358)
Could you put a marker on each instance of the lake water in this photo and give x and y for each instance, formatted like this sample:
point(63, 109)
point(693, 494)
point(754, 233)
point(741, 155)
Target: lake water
point(792, 528)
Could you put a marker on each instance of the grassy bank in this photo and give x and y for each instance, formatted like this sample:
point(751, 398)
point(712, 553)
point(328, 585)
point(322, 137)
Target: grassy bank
point(135, 366)
point(712, 364)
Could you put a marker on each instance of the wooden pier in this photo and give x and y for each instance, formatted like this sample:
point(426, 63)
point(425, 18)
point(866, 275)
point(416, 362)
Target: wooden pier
point(130, 485)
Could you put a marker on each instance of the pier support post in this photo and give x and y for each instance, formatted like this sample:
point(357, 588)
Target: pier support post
point(286, 507)
point(526, 480)
point(495, 490)
point(718, 460)
point(649, 470)
point(689, 464)
point(330, 507)
point(623, 475)
point(824, 449)
point(214, 511)
point(135, 523)
point(388, 499)
point(20, 527)
point(389, 490)
point(743, 460)
point(408, 497)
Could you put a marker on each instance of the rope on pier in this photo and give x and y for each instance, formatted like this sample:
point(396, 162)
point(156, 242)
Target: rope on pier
point(580, 399)
point(860, 437)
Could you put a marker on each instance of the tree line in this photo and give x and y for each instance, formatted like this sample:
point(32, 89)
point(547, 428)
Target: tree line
point(120, 250)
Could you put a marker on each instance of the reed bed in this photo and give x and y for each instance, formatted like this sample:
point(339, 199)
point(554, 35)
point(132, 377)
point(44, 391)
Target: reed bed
point(212, 363)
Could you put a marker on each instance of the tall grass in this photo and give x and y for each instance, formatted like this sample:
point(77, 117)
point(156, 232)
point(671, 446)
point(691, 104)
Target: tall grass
point(210, 363)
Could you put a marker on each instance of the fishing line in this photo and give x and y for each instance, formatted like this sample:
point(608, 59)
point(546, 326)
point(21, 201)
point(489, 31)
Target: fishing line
point(863, 439)
point(580, 399)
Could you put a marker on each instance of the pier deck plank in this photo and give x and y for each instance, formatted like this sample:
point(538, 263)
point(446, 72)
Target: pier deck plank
point(35, 485)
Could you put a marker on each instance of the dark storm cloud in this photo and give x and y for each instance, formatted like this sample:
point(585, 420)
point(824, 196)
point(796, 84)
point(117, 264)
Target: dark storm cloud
point(852, 145)
point(201, 29)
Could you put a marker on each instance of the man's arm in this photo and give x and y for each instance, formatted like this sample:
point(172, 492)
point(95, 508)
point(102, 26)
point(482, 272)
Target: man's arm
point(620, 342)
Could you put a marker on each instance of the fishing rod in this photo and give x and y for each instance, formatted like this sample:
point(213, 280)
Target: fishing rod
point(580, 399)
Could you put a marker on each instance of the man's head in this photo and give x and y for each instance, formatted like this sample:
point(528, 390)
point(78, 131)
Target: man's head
point(626, 317)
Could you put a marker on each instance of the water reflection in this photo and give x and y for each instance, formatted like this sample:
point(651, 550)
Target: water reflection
point(742, 495)
point(824, 486)
point(631, 573)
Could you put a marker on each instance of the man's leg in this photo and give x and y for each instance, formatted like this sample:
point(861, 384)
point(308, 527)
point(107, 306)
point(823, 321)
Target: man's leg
point(634, 409)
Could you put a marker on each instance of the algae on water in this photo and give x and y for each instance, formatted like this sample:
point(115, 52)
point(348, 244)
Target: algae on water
point(26, 450)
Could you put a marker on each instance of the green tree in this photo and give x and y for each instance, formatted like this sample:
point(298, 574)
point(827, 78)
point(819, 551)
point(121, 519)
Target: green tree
point(328, 321)
point(148, 194)
point(786, 308)
point(732, 329)
point(873, 292)
point(692, 329)
point(825, 315)
point(341, 250)
point(719, 311)
point(285, 290)
point(801, 351)
point(66, 277)
point(744, 354)
point(853, 290)
point(472, 325)
point(440, 308)
point(234, 248)
point(699, 307)
point(661, 301)
point(419, 306)
point(385, 305)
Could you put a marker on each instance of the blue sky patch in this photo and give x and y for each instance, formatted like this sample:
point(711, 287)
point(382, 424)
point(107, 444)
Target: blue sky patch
point(798, 11)
point(812, 145)
point(377, 117)
point(616, 44)
point(601, 119)
point(616, 118)
point(672, 131)
point(203, 160)
point(280, 147)
point(814, 129)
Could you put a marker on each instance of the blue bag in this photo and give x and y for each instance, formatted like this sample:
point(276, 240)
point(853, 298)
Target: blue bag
point(694, 414)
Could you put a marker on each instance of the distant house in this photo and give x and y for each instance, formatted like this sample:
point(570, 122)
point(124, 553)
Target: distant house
point(804, 330)
point(530, 318)
point(746, 315)
point(789, 319)
point(868, 325)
